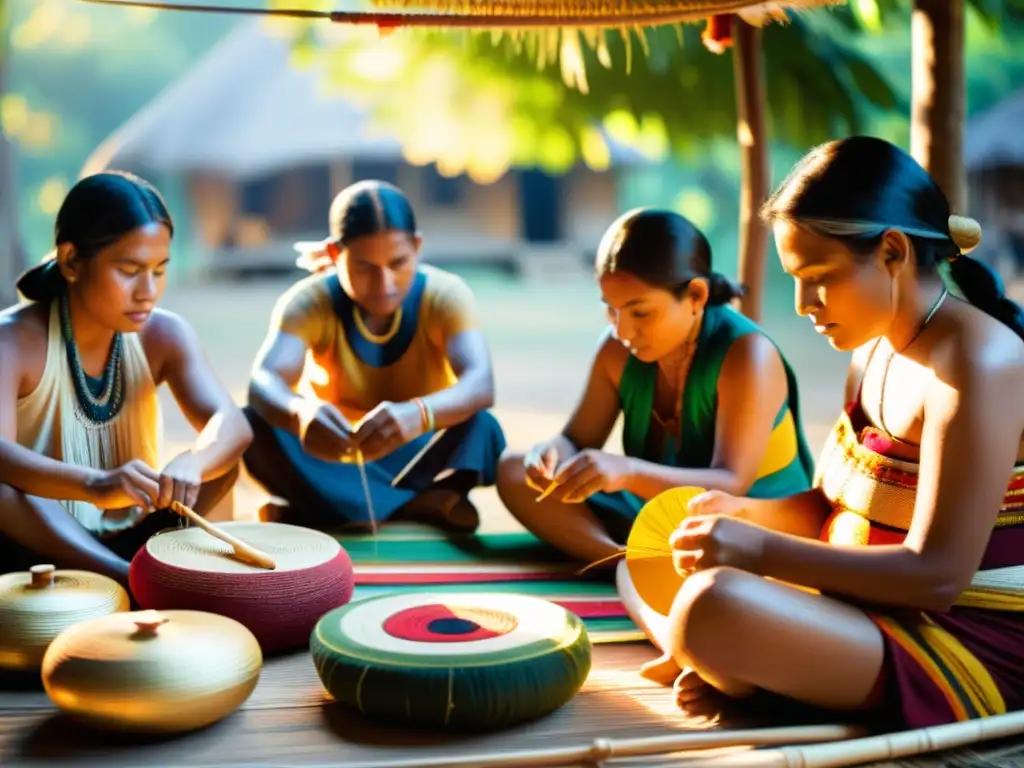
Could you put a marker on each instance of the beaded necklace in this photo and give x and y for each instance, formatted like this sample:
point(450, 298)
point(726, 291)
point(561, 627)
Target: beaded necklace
point(98, 409)
point(673, 426)
point(892, 354)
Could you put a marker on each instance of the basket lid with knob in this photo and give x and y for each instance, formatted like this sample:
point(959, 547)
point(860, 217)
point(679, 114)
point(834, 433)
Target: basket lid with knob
point(36, 605)
point(141, 637)
point(44, 588)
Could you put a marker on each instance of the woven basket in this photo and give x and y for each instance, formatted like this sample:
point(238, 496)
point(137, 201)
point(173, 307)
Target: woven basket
point(189, 569)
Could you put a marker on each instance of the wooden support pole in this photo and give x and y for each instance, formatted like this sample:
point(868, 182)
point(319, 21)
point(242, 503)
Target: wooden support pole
point(752, 135)
point(939, 95)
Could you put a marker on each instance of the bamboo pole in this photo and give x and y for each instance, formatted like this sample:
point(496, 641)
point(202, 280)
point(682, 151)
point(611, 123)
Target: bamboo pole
point(876, 748)
point(607, 749)
point(752, 135)
point(939, 95)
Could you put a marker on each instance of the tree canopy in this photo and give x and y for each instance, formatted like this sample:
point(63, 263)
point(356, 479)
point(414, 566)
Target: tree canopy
point(477, 103)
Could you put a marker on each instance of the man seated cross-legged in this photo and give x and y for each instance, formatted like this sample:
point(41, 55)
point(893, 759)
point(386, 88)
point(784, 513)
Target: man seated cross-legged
point(374, 370)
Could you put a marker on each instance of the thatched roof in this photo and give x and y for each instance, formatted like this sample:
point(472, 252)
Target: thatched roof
point(245, 110)
point(994, 137)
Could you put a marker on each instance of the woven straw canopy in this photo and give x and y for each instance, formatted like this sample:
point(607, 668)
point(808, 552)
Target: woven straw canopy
point(509, 14)
point(560, 29)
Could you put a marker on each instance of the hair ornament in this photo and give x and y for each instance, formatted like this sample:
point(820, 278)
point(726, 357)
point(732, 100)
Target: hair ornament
point(965, 233)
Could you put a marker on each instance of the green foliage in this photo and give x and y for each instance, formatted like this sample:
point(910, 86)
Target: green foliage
point(828, 73)
point(75, 73)
point(662, 89)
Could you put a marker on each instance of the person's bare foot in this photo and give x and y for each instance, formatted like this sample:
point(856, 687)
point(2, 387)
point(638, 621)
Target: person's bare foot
point(273, 512)
point(696, 696)
point(444, 508)
point(689, 688)
point(663, 670)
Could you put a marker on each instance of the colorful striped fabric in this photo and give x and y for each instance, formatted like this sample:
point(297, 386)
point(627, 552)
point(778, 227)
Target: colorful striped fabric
point(425, 560)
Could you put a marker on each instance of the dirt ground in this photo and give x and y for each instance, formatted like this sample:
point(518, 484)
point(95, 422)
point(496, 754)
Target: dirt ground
point(542, 333)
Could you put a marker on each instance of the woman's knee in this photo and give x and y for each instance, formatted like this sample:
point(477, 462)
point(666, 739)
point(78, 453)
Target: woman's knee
point(8, 499)
point(511, 472)
point(772, 635)
point(704, 605)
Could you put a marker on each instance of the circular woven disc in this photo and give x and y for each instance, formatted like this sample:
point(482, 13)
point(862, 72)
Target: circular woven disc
point(475, 661)
point(648, 554)
point(292, 547)
point(485, 629)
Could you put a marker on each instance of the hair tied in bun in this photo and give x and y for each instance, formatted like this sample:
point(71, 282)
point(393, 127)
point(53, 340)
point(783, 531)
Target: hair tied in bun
point(965, 233)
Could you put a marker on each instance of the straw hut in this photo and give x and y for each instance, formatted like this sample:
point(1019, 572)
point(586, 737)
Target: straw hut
point(994, 161)
point(261, 147)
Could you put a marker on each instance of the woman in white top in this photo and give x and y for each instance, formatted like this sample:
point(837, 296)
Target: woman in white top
point(81, 483)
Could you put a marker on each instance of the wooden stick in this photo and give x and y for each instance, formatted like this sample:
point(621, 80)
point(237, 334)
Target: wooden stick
point(547, 491)
point(242, 550)
point(872, 749)
point(415, 459)
point(606, 749)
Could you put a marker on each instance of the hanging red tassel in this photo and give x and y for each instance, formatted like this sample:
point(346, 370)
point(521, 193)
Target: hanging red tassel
point(387, 25)
point(717, 35)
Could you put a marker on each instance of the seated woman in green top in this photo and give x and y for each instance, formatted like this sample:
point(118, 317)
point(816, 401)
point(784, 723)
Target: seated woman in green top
point(707, 398)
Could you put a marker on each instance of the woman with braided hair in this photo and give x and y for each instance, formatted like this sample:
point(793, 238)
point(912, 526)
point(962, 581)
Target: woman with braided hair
point(81, 483)
point(908, 552)
point(706, 398)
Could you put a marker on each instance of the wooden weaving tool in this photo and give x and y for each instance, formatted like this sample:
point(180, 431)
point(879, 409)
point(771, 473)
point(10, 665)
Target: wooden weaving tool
point(242, 550)
point(415, 459)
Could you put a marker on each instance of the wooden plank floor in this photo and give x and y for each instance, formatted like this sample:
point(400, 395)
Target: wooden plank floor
point(291, 721)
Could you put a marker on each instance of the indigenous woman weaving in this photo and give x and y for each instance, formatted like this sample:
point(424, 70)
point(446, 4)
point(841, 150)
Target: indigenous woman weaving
point(909, 549)
point(706, 397)
point(374, 358)
point(80, 472)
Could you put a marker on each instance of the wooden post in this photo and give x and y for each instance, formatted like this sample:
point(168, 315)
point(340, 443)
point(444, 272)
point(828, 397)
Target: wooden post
point(751, 134)
point(938, 94)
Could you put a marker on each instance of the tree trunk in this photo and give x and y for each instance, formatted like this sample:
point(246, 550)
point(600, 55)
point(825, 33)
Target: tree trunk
point(12, 251)
point(753, 141)
point(938, 98)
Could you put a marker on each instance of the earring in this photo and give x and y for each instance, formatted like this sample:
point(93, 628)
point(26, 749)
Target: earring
point(892, 300)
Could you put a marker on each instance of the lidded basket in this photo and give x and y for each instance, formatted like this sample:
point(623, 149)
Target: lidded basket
point(38, 604)
point(158, 672)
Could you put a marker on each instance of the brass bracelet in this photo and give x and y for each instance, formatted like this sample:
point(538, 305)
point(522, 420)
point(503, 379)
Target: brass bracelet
point(425, 415)
point(430, 416)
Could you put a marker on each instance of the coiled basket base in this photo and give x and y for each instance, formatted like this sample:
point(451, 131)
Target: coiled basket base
point(189, 569)
point(455, 661)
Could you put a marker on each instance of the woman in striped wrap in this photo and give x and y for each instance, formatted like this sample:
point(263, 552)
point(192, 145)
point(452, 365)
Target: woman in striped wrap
point(897, 583)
